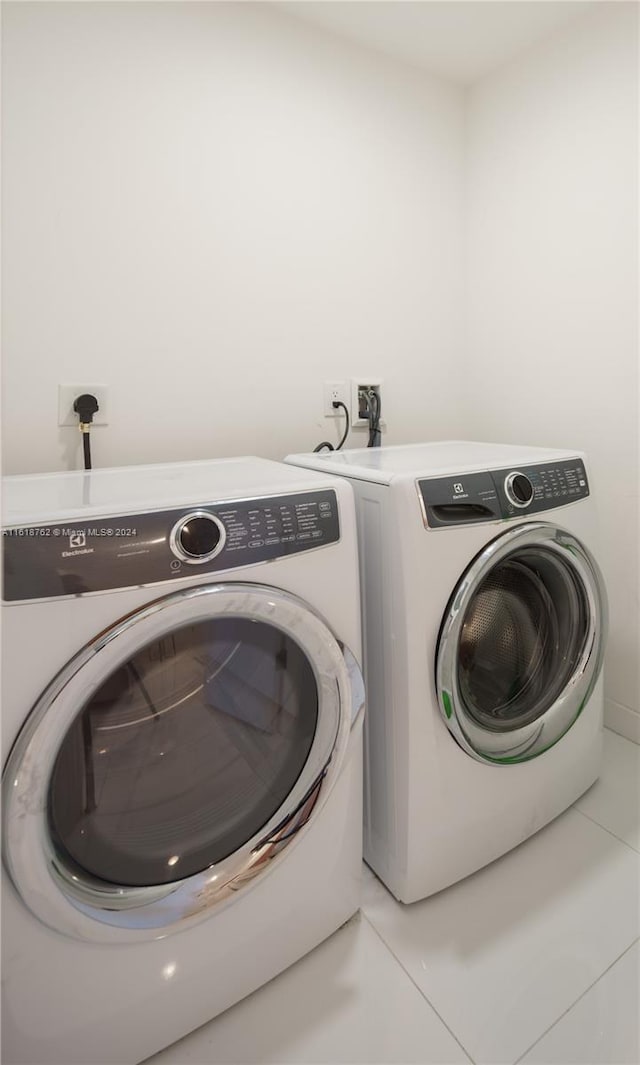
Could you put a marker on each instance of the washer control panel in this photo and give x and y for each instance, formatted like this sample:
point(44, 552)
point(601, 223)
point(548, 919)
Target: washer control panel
point(76, 557)
point(501, 494)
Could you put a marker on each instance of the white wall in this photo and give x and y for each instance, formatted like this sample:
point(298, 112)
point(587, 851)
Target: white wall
point(212, 208)
point(552, 344)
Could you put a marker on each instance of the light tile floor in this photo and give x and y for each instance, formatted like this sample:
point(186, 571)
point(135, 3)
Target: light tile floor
point(534, 959)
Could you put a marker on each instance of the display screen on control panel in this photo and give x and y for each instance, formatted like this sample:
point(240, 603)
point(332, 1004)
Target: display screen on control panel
point(494, 495)
point(76, 557)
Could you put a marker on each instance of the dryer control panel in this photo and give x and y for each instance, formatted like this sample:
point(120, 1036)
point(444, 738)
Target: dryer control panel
point(75, 557)
point(497, 495)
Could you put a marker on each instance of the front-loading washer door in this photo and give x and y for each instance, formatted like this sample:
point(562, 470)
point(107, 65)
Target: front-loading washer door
point(174, 758)
point(521, 644)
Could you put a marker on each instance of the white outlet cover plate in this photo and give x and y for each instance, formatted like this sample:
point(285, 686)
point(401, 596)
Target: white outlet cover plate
point(336, 390)
point(67, 394)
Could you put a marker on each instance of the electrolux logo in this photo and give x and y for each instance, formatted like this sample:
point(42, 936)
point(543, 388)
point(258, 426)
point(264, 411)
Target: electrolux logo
point(78, 540)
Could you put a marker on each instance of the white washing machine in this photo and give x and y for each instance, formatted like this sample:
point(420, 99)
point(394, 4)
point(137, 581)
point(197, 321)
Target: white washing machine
point(182, 746)
point(484, 619)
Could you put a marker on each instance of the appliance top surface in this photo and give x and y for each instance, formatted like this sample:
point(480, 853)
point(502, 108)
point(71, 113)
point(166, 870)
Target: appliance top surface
point(409, 461)
point(35, 498)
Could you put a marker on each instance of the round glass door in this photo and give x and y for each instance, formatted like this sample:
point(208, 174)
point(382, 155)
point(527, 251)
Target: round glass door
point(521, 645)
point(174, 759)
point(183, 753)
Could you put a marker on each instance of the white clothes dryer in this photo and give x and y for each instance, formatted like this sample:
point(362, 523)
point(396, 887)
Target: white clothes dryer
point(182, 746)
point(484, 620)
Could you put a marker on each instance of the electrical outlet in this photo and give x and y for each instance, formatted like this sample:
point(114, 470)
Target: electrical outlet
point(67, 394)
point(335, 392)
point(360, 388)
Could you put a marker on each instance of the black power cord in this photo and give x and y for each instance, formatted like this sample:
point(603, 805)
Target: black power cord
point(85, 407)
point(347, 425)
point(325, 445)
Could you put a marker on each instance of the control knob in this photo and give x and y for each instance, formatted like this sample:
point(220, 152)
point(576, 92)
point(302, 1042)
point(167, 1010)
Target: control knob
point(197, 537)
point(518, 489)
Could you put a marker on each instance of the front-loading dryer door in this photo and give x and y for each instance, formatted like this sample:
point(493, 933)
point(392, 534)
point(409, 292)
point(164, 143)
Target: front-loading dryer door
point(174, 758)
point(521, 644)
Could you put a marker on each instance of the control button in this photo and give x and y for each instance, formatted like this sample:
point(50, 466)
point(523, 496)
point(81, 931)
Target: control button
point(176, 564)
point(256, 543)
point(519, 489)
point(197, 537)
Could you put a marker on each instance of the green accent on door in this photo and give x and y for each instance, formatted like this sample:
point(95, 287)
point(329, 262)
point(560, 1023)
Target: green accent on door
point(446, 702)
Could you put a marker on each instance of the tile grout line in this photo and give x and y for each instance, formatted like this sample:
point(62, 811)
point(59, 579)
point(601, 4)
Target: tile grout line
point(605, 829)
point(418, 989)
point(580, 997)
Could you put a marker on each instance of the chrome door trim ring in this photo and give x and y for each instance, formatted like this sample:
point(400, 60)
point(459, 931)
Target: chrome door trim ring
point(528, 742)
point(91, 910)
